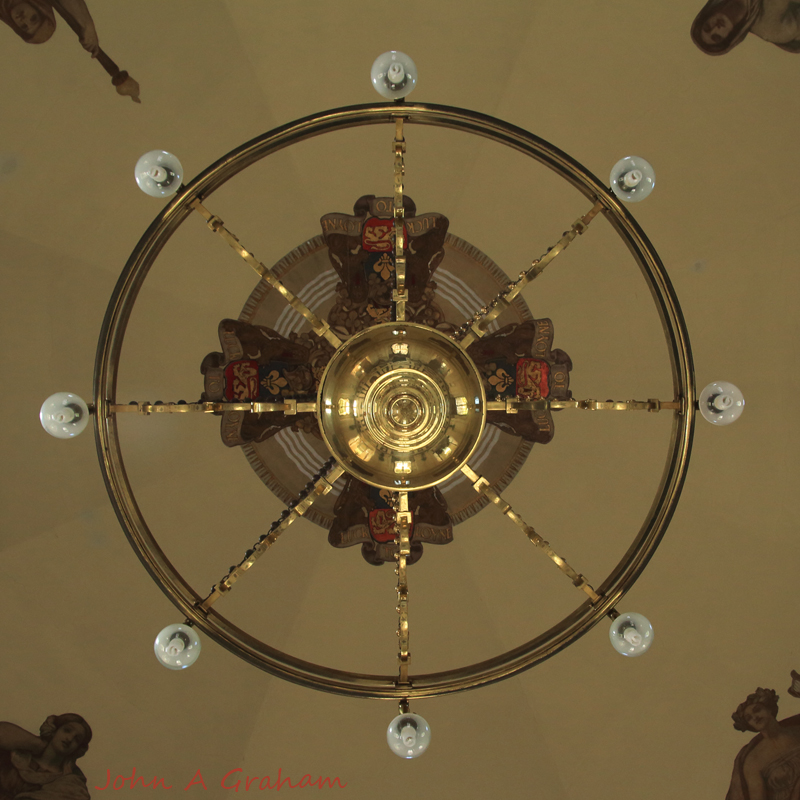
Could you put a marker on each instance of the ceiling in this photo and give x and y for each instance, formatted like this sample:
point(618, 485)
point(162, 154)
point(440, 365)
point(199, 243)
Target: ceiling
point(599, 80)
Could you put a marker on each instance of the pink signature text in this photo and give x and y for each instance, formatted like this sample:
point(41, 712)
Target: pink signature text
point(231, 780)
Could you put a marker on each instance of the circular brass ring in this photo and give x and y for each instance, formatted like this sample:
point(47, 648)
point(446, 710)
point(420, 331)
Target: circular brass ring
point(286, 666)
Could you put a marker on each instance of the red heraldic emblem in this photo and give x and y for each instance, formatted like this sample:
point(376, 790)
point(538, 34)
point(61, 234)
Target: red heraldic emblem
point(378, 235)
point(381, 525)
point(533, 379)
point(241, 380)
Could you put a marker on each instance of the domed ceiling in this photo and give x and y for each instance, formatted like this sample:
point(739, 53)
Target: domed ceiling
point(600, 81)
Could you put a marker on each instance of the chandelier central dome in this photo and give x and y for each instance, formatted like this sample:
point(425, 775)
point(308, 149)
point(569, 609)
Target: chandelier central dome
point(402, 406)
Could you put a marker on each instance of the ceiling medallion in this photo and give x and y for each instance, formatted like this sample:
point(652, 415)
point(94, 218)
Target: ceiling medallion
point(381, 389)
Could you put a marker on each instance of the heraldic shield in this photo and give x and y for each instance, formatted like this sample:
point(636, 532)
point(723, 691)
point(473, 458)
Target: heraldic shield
point(444, 276)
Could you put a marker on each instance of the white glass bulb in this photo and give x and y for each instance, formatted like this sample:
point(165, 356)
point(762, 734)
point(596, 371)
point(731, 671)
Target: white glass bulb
point(394, 75)
point(721, 403)
point(632, 179)
point(177, 646)
point(64, 415)
point(408, 735)
point(158, 173)
point(631, 634)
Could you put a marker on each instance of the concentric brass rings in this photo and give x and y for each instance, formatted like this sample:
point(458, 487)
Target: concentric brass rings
point(261, 654)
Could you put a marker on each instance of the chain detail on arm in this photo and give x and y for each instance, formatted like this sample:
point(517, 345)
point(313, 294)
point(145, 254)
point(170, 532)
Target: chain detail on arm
point(320, 327)
point(402, 540)
point(400, 294)
point(288, 406)
point(476, 327)
point(318, 486)
point(513, 405)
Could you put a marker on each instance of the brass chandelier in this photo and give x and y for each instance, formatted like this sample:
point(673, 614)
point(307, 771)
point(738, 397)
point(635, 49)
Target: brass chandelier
point(400, 405)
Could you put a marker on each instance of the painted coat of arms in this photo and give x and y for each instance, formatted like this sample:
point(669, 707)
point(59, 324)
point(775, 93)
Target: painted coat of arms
point(270, 363)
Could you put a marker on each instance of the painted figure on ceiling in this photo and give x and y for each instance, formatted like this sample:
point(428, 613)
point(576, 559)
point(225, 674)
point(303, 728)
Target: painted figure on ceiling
point(43, 767)
point(768, 766)
point(722, 24)
point(34, 21)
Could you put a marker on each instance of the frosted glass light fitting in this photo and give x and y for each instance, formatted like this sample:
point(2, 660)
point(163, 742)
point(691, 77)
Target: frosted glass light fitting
point(721, 403)
point(631, 634)
point(158, 173)
point(408, 735)
point(632, 179)
point(394, 75)
point(64, 415)
point(177, 646)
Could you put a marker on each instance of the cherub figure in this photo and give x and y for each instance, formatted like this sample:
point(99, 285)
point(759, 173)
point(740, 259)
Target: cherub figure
point(43, 767)
point(34, 21)
point(768, 766)
point(722, 24)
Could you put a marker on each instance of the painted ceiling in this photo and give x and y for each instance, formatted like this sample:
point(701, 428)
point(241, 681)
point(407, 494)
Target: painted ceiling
point(600, 81)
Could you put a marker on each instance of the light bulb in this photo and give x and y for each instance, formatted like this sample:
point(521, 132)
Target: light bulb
point(177, 646)
point(632, 179)
point(631, 634)
point(158, 173)
point(64, 415)
point(394, 75)
point(721, 403)
point(408, 735)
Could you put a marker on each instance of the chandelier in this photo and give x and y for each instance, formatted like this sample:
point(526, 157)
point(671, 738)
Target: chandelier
point(394, 388)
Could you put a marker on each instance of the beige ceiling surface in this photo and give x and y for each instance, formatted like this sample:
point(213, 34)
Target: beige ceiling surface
point(599, 80)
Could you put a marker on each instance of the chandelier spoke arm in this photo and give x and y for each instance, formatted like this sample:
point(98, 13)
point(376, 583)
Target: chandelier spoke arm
point(320, 485)
point(215, 224)
point(403, 540)
point(400, 295)
point(288, 406)
point(481, 485)
point(477, 327)
point(513, 405)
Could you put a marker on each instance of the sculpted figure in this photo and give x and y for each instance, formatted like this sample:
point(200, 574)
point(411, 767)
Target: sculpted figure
point(34, 21)
point(722, 24)
point(768, 767)
point(43, 767)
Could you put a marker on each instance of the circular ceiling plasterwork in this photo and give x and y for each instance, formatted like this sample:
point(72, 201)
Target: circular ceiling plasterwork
point(465, 276)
